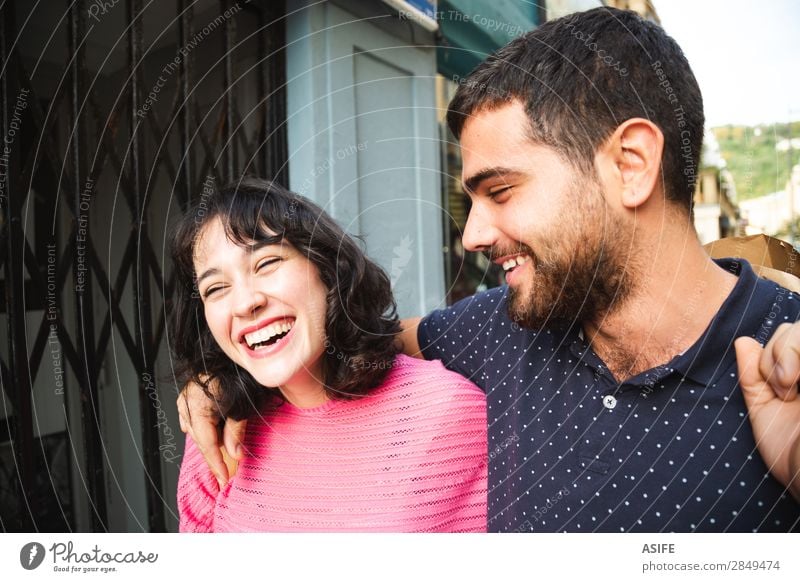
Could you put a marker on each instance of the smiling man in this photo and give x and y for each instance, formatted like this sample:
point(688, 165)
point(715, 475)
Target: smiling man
point(608, 359)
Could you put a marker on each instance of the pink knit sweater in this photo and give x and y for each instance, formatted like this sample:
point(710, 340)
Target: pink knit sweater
point(409, 457)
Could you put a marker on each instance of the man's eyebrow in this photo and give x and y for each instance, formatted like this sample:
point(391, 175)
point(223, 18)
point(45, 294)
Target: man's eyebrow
point(471, 184)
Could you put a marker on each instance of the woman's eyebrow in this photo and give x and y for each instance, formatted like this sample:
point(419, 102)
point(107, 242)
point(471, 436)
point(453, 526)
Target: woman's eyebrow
point(208, 273)
point(252, 247)
point(276, 241)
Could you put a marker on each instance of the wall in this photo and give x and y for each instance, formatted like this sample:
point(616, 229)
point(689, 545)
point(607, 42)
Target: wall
point(363, 137)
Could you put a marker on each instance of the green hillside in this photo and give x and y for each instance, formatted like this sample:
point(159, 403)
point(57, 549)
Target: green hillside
point(756, 166)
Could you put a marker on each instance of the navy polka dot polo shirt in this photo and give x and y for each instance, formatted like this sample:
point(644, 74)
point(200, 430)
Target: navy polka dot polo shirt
point(571, 449)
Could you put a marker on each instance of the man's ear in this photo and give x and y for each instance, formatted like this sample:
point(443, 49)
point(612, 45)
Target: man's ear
point(629, 162)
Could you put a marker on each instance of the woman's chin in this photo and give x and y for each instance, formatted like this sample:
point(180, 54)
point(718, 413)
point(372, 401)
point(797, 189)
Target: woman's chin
point(269, 380)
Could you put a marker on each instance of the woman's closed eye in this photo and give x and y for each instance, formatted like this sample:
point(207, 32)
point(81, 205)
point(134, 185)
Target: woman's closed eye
point(211, 289)
point(267, 263)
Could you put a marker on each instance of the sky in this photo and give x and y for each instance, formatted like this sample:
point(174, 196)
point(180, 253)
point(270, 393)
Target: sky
point(744, 53)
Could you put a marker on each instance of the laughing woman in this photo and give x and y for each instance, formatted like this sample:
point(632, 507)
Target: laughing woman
point(279, 307)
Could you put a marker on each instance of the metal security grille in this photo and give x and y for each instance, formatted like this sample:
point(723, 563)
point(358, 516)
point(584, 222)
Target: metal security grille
point(114, 116)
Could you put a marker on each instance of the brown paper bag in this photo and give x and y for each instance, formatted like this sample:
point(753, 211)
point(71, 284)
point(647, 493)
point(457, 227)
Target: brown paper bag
point(771, 258)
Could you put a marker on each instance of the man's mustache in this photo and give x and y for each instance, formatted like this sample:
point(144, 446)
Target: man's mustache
point(494, 253)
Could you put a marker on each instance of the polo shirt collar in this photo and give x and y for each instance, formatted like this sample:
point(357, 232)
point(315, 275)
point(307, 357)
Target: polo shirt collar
point(743, 312)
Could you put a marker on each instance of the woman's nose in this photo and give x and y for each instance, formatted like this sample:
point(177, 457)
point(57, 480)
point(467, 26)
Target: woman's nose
point(248, 300)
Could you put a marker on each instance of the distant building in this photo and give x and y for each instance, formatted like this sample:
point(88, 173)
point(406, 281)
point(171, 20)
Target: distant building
point(772, 214)
point(715, 211)
point(644, 8)
point(558, 8)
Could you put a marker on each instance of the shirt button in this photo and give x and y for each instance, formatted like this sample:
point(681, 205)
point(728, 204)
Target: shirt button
point(609, 401)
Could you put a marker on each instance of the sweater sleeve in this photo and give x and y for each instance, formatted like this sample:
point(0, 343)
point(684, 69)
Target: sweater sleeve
point(197, 491)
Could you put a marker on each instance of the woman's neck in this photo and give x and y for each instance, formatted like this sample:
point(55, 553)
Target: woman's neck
point(306, 392)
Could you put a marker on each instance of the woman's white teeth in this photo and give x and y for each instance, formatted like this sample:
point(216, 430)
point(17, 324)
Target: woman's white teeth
point(518, 260)
point(267, 333)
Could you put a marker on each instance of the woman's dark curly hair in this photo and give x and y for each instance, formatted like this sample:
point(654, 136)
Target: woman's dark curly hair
point(361, 319)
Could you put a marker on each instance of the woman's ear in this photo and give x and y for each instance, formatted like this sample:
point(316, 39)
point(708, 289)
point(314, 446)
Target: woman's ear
point(629, 162)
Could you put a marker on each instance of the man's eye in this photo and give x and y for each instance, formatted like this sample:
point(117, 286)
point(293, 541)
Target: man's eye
point(499, 192)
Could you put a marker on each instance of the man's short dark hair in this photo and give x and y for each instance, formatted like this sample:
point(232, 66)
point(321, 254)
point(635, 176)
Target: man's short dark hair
point(581, 76)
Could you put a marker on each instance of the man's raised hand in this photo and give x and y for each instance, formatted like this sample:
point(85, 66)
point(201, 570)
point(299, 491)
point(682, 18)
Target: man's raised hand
point(200, 419)
point(768, 377)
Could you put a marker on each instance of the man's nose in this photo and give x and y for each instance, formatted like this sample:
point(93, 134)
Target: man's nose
point(480, 233)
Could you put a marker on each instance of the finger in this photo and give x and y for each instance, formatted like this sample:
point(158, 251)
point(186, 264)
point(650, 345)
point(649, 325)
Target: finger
point(186, 402)
point(200, 417)
point(184, 416)
point(207, 440)
point(180, 404)
point(786, 355)
point(748, 355)
point(767, 362)
point(233, 437)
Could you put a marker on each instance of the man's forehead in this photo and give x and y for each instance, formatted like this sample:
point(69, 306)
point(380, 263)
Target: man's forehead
point(497, 115)
point(525, 159)
point(491, 136)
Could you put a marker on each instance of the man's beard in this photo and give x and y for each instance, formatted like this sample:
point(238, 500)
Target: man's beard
point(582, 269)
